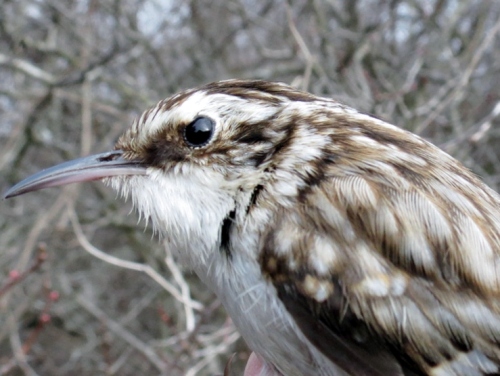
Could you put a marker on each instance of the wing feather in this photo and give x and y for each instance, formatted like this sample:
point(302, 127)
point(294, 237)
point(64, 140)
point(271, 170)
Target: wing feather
point(407, 281)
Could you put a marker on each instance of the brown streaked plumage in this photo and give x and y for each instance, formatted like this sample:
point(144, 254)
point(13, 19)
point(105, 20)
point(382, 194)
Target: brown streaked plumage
point(338, 243)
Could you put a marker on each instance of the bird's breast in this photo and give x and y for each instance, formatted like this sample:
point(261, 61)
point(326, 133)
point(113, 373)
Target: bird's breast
point(259, 315)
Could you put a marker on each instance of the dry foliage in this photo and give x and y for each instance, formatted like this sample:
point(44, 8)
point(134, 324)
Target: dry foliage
point(84, 289)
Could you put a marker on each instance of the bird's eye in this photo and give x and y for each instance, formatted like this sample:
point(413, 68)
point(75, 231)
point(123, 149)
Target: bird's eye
point(199, 131)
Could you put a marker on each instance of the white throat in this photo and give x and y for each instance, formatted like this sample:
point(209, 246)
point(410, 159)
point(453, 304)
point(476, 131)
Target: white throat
point(187, 209)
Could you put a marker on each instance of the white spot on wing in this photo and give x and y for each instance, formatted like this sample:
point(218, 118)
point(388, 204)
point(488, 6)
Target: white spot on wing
point(367, 141)
point(323, 255)
point(475, 256)
point(375, 287)
point(319, 290)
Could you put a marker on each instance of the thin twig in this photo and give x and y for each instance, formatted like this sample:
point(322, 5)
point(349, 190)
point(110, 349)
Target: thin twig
point(185, 290)
point(303, 48)
point(124, 334)
point(464, 78)
point(82, 239)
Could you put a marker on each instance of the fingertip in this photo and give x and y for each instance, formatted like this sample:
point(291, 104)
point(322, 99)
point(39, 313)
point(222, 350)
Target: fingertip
point(254, 366)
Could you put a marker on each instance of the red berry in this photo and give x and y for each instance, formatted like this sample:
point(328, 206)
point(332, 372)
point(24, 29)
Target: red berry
point(14, 275)
point(45, 318)
point(54, 296)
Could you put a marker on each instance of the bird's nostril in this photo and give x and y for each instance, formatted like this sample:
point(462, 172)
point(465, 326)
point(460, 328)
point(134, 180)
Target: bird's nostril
point(111, 156)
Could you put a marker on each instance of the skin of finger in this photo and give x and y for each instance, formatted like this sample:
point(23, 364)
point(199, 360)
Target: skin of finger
point(254, 366)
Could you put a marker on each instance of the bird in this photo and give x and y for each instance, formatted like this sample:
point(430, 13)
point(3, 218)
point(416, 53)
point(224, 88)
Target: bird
point(338, 243)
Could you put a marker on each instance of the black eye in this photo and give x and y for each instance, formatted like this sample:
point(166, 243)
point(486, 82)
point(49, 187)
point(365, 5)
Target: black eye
point(199, 131)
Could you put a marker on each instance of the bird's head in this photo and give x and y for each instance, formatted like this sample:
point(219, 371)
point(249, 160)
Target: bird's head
point(187, 161)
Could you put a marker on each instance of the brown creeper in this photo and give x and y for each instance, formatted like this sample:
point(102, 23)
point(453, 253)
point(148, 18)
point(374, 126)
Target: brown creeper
point(339, 244)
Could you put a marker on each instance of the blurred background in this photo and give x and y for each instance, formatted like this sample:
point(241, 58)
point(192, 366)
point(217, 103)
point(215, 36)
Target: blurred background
point(84, 288)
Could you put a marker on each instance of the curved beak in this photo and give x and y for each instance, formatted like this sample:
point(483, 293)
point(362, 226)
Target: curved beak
point(90, 168)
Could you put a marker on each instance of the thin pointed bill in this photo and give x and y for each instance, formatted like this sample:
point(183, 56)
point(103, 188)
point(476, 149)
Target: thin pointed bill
point(90, 168)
